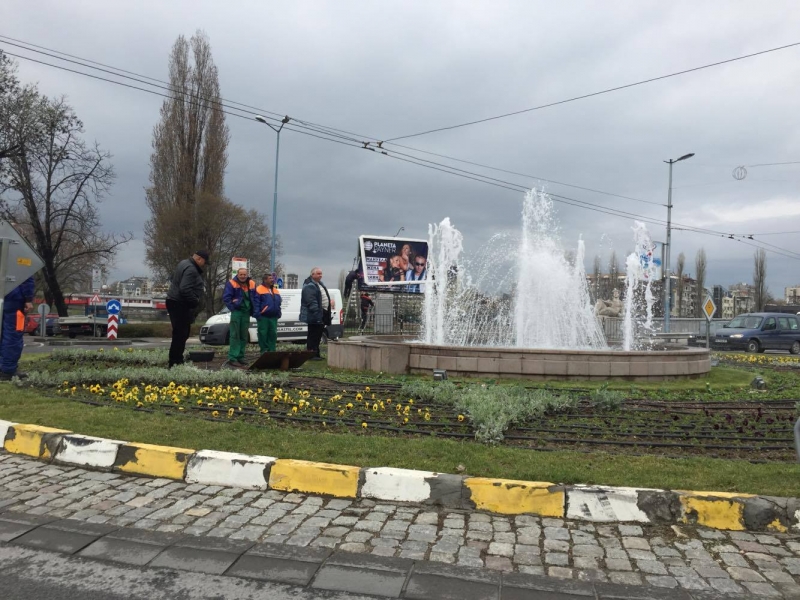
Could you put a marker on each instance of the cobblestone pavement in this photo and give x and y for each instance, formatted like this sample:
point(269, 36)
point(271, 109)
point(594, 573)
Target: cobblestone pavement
point(737, 563)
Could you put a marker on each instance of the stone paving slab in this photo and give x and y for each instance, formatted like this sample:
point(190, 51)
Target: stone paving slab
point(212, 528)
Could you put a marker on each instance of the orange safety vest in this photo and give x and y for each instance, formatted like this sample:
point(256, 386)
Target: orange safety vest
point(20, 321)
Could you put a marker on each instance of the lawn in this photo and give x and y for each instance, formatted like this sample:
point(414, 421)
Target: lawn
point(333, 416)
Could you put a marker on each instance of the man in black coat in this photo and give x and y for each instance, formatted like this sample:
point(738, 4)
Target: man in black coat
point(183, 297)
point(315, 309)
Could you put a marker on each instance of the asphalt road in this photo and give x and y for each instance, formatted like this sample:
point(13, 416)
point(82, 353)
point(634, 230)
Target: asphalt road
point(27, 574)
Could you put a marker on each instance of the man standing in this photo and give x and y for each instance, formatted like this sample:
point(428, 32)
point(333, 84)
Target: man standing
point(267, 309)
point(315, 309)
point(417, 273)
point(366, 304)
point(183, 297)
point(16, 305)
point(238, 297)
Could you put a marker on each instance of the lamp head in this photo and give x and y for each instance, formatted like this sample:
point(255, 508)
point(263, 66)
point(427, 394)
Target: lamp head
point(261, 119)
point(685, 156)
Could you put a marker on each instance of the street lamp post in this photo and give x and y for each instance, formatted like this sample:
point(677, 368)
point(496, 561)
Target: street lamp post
point(667, 291)
point(277, 130)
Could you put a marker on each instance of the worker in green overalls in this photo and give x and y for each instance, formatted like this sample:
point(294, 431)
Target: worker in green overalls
point(238, 297)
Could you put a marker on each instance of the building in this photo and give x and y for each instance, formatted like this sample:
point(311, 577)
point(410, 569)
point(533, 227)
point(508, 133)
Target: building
point(291, 281)
point(684, 306)
point(134, 286)
point(727, 307)
point(717, 294)
point(792, 294)
point(743, 298)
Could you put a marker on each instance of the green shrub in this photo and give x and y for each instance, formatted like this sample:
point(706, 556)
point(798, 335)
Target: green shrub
point(145, 330)
point(437, 392)
point(605, 399)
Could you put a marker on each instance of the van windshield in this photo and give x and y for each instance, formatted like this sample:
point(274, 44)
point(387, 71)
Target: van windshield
point(746, 322)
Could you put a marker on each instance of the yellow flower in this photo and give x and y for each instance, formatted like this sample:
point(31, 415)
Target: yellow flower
point(359, 397)
point(366, 389)
point(364, 425)
point(294, 409)
point(375, 406)
point(230, 412)
point(427, 416)
point(411, 401)
point(460, 418)
point(349, 405)
point(405, 420)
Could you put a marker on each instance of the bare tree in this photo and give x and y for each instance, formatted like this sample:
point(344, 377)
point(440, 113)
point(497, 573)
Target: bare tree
point(613, 271)
point(679, 272)
point(760, 291)
point(700, 269)
point(187, 168)
point(597, 274)
point(20, 113)
point(51, 190)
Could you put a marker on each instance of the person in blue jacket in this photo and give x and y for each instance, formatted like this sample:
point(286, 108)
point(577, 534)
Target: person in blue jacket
point(16, 305)
point(238, 297)
point(267, 310)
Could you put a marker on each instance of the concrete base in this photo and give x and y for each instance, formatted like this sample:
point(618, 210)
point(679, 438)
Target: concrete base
point(399, 355)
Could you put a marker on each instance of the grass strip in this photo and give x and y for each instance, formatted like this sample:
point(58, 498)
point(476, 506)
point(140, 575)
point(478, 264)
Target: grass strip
point(32, 406)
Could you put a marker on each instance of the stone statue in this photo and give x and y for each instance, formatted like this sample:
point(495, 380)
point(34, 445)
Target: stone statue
point(609, 308)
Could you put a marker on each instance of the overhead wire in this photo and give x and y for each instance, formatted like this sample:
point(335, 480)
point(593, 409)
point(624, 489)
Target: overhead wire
point(360, 138)
point(332, 135)
point(593, 94)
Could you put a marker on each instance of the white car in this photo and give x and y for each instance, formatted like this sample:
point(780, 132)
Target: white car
point(216, 332)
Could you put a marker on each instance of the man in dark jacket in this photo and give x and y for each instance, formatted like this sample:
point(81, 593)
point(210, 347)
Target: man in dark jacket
point(315, 309)
point(366, 304)
point(16, 305)
point(267, 310)
point(183, 297)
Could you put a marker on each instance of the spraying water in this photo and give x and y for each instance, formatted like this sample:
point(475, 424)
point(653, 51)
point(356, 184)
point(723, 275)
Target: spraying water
point(641, 267)
point(548, 306)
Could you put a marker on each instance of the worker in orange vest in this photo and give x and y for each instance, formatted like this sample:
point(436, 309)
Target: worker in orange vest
point(267, 309)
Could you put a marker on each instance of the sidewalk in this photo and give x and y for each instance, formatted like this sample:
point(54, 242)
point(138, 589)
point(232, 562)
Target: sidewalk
point(380, 548)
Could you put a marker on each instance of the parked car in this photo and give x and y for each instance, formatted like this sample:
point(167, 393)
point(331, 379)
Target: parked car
point(32, 323)
point(756, 332)
point(216, 331)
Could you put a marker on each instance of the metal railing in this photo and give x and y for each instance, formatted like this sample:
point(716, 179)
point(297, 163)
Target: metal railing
point(613, 328)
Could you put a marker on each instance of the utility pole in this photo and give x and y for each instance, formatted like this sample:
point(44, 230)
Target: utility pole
point(277, 130)
point(667, 290)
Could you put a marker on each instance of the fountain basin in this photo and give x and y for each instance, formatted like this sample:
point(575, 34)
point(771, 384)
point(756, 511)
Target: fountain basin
point(399, 355)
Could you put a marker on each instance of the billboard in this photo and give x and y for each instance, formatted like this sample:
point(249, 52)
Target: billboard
point(239, 263)
point(391, 261)
point(651, 262)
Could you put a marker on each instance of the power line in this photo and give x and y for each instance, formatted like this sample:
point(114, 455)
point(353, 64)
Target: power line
point(354, 143)
point(606, 91)
point(311, 125)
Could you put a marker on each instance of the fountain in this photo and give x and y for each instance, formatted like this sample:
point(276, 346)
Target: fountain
point(522, 309)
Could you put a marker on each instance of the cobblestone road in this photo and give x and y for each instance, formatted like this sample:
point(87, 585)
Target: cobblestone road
point(736, 563)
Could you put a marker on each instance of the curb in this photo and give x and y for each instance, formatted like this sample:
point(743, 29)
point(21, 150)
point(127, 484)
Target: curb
point(598, 504)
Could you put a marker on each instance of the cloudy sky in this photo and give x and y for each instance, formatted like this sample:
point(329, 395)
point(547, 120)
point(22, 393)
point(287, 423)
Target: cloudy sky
point(386, 69)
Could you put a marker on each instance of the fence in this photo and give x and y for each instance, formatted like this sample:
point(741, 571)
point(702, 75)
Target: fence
point(613, 328)
point(398, 313)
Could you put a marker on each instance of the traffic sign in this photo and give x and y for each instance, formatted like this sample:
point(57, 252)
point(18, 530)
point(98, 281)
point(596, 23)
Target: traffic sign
point(709, 308)
point(113, 327)
point(43, 309)
point(95, 299)
point(113, 307)
point(279, 283)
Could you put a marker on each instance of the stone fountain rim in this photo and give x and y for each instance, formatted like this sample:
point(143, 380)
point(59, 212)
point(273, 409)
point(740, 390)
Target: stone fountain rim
point(408, 340)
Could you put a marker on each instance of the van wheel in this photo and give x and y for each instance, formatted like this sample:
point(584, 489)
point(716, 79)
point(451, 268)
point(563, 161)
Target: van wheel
point(754, 346)
point(795, 349)
point(72, 336)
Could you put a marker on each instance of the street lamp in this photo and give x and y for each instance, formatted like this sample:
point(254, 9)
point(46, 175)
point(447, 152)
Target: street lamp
point(277, 130)
point(667, 291)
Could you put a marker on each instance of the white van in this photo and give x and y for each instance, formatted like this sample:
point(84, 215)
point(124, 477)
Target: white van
point(215, 332)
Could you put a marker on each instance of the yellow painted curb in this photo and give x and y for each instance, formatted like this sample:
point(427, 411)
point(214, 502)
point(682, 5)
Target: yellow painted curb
point(509, 497)
point(156, 461)
point(30, 440)
point(314, 478)
point(717, 512)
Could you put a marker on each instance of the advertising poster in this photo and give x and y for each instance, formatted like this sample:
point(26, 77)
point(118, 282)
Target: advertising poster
point(238, 263)
point(389, 261)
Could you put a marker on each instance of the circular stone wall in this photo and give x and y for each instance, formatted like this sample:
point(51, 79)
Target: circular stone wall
point(399, 355)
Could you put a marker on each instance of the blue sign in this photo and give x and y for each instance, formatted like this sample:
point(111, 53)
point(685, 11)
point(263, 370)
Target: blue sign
point(113, 307)
point(280, 282)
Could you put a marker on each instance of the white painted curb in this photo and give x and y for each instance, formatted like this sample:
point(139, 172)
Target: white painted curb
point(229, 469)
point(88, 451)
point(605, 504)
point(398, 485)
point(4, 425)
